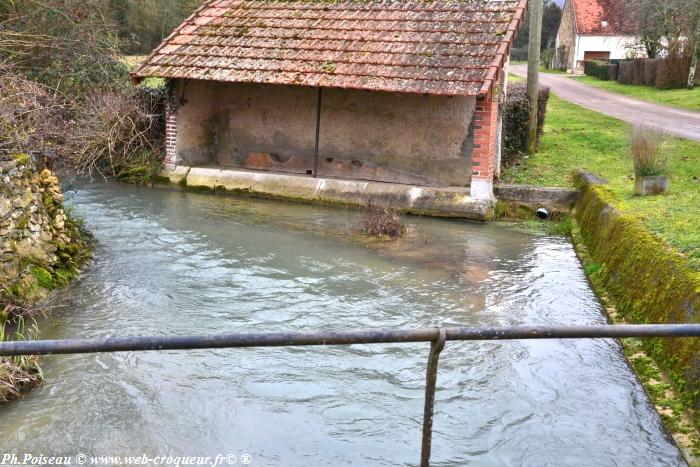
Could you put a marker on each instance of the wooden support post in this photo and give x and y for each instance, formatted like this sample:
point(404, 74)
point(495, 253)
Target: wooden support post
point(533, 63)
point(318, 130)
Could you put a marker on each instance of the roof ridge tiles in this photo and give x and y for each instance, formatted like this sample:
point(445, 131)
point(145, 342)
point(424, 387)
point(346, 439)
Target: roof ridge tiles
point(425, 53)
point(235, 30)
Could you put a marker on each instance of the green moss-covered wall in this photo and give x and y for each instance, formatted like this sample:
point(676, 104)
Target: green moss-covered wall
point(41, 248)
point(648, 281)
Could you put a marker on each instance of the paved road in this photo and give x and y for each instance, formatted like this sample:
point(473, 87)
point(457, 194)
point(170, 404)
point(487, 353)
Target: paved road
point(683, 123)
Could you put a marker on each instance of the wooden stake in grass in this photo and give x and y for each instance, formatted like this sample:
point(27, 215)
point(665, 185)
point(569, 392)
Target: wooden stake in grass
point(533, 63)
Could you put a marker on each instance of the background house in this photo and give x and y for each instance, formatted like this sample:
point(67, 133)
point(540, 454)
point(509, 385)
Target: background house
point(390, 91)
point(594, 29)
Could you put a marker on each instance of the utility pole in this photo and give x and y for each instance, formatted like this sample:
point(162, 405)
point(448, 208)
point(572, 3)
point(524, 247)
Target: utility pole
point(533, 63)
point(695, 52)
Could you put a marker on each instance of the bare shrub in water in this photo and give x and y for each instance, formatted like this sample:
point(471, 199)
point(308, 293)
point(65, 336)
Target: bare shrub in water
point(116, 131)
point(646, 147)
point(15, 377)
point(22, 371)
point(378, 221)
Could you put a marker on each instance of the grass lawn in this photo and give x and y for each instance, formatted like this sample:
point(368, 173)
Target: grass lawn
point(576, 137)
point(681, 98)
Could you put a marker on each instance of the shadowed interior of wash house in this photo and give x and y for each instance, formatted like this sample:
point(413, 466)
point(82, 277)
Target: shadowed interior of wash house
point(406, 138)
point(404, 92)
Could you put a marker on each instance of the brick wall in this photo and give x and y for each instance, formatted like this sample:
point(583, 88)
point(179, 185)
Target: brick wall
point(485, 138)
point(171, 160)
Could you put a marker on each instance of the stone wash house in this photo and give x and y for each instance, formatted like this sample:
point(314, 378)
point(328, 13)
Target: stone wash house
point(390, 91)
point(594, 29)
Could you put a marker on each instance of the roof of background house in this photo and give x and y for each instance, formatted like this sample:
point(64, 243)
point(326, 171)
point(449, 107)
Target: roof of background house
point(602, 17)
point(444, 47)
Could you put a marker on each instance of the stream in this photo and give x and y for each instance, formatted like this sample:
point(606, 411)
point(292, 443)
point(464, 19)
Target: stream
point(170, 262)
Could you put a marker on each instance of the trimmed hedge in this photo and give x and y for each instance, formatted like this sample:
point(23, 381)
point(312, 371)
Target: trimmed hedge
point(598, 68)
point(663, 73)
point(516, 116)
point(631, 71)
point(650, 68)
point(672, 72)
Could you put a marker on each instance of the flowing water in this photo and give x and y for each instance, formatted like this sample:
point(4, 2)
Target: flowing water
point(171, 262)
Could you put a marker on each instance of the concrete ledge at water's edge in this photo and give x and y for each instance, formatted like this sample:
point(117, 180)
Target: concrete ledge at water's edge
point(434, 201)
point(555, 199)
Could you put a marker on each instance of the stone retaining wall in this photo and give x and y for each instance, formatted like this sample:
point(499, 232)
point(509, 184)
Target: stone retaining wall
point(647, 281)
point(40, 248)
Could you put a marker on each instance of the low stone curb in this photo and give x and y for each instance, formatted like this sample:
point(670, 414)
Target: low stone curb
point(433, 201)
point(534, 197)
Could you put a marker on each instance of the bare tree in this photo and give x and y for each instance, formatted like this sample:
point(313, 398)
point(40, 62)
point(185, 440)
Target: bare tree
point(143, 24)
point(68, 45)
point(693, 36)
point(667, 27)
point(659, 24)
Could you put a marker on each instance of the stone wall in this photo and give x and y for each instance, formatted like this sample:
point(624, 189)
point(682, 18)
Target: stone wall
point(41, 248)
point(567, 34)
point(408, 138)
point(646, 280)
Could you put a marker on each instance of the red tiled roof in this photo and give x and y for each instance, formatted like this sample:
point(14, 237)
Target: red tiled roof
point(446, 47)
point(590, 15)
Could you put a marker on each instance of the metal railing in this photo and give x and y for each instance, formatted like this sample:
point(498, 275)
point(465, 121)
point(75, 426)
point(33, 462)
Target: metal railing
point(436, 336)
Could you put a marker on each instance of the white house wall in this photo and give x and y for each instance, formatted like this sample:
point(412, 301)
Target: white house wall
point(619, 47)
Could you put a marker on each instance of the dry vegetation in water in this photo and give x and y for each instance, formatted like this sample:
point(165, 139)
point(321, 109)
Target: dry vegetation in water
point(117, 130)
point(381, 221)
point(20, 372)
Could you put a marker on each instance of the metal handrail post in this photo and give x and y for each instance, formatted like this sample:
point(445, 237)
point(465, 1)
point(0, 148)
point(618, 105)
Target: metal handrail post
point(436, 347)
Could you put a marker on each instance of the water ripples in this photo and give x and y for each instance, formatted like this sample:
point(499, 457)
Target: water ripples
point(179, 263)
